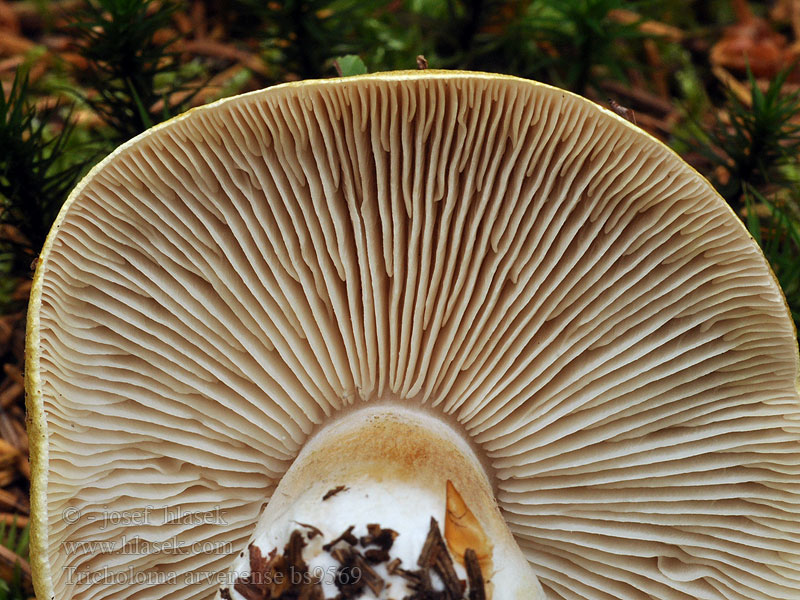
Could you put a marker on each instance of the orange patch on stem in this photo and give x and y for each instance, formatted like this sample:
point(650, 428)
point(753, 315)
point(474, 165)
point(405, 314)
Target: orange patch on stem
point(462, 531)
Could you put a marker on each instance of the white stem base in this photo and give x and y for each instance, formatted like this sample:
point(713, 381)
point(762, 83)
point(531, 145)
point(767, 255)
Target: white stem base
point(391, 467)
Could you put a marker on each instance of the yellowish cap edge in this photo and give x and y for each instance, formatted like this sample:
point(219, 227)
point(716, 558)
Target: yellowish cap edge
point(37, 423)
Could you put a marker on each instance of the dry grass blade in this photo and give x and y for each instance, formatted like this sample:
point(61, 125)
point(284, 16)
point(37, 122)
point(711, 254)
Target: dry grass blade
point(11, 394)
point(10, 561)
point(9, 501)
point(12, 519)
point(8, 452)
point(655, 28)
point(215, 49)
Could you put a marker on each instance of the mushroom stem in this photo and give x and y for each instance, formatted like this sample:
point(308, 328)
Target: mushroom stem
point(399, 484)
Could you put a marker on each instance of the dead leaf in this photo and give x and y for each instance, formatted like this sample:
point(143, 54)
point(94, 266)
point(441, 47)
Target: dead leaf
point(462, 530)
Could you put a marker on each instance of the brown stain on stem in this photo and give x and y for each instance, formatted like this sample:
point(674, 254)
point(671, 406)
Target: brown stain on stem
point(463, 531)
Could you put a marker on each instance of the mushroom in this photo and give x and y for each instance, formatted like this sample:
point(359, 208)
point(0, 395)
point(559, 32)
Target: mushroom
point(406, 330)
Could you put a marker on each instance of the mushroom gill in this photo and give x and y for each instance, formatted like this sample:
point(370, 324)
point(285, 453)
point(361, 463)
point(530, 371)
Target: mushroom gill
point(540, 275)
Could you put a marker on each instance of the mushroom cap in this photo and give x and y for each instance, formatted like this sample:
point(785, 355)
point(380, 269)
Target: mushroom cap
point(545, 276)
